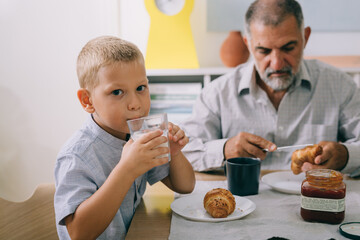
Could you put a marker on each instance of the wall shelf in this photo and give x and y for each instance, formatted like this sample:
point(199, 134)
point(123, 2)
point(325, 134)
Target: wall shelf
point(349, 64)
point(202, 75)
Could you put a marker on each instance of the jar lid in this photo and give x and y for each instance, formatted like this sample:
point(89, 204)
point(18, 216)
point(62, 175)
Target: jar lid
point(350, 230)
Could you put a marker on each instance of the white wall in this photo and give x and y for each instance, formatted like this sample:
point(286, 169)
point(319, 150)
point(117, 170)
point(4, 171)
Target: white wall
point(135, 27)
point(39, 43)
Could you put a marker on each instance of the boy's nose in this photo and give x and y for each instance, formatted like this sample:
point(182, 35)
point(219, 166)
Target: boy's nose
point(134, 104)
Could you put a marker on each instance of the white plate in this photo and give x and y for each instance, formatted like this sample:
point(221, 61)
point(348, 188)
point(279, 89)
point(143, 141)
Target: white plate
point(192, 207)
point(284, 181)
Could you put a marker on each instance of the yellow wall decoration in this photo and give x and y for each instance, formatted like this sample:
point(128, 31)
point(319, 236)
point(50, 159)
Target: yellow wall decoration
point(170, 43)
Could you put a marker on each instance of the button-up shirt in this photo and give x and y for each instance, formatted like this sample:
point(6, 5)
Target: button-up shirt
point(323, 104)
point(83, 165)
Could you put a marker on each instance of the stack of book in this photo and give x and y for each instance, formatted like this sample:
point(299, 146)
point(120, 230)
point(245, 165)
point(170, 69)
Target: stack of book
point(176, 99)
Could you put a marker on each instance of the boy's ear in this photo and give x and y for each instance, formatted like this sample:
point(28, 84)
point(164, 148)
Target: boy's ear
point(85, 100)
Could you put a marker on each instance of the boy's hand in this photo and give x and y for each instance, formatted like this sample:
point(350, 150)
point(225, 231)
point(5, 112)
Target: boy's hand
point(177, 139)
point(141, 155)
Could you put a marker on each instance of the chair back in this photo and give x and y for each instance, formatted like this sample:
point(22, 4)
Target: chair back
point(31, 219)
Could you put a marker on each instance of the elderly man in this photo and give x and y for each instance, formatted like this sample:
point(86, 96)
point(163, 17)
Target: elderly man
point(275, 100)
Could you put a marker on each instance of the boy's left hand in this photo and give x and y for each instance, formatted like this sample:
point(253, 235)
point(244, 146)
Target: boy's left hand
point(177, 139)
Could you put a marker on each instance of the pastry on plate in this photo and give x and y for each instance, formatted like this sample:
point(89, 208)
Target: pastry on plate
point(219, 203)
point(307, 154)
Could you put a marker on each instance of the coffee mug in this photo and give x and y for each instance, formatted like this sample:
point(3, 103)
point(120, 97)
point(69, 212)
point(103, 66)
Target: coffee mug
point(243, 175)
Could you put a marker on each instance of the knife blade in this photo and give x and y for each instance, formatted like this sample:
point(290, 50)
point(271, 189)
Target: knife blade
point(289, 148)
point(355, 173)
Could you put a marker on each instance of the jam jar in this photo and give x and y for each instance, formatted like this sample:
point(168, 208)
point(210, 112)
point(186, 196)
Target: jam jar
point(323, 196)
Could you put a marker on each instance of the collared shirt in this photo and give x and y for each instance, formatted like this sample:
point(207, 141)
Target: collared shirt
point(83, 165)
point(323, 104)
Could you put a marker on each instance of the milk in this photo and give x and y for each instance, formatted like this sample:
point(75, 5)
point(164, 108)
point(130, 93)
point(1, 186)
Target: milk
point(136, 135)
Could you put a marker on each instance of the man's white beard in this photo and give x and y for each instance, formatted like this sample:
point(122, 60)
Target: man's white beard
point(277, 83)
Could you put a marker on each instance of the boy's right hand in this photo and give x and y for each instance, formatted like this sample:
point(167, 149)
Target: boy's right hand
point(141, 155)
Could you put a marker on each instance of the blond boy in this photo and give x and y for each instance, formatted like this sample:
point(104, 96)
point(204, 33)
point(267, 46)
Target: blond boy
point(101, 175)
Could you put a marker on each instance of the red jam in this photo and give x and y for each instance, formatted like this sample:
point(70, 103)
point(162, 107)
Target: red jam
point(323, 196)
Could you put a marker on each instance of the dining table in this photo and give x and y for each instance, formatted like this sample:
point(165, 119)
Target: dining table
point(277, 214)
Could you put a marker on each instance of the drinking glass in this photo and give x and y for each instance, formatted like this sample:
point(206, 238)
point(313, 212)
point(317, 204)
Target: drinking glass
point(140, 126)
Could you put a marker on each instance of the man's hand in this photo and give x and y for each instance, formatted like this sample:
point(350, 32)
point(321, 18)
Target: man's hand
point(247, 145)
point(334, 156)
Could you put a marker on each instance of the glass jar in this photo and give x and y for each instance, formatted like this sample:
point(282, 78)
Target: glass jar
point(323, 196)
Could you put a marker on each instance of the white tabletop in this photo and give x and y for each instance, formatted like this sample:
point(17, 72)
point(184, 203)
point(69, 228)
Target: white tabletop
point(276, 215)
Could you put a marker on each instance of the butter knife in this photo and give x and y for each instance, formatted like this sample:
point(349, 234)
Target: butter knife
point(355, 173)
point(289, 148)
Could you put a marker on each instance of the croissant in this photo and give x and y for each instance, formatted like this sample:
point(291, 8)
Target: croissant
point(306, 154)
point(219, 203)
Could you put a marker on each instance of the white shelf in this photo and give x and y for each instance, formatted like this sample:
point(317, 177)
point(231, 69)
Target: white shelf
point(203, 75)
point(188, 72)
point(207, 74)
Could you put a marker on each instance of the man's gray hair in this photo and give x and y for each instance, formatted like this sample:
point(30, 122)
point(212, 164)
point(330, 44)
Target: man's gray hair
point(272, 13)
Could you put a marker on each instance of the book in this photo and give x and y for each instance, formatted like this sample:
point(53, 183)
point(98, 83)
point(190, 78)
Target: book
point(176, 99)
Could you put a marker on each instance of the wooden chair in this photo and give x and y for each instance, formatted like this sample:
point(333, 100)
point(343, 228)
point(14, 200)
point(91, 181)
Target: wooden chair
point(31, 219)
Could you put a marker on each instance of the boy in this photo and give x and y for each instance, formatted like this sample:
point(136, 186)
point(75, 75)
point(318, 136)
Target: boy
point(101, 175)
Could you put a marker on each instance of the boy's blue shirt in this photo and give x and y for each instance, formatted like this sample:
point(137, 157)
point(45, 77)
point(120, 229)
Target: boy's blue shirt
point(83, 165)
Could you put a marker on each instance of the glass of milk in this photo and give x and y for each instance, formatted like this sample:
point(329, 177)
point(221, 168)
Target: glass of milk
point(140, 126)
